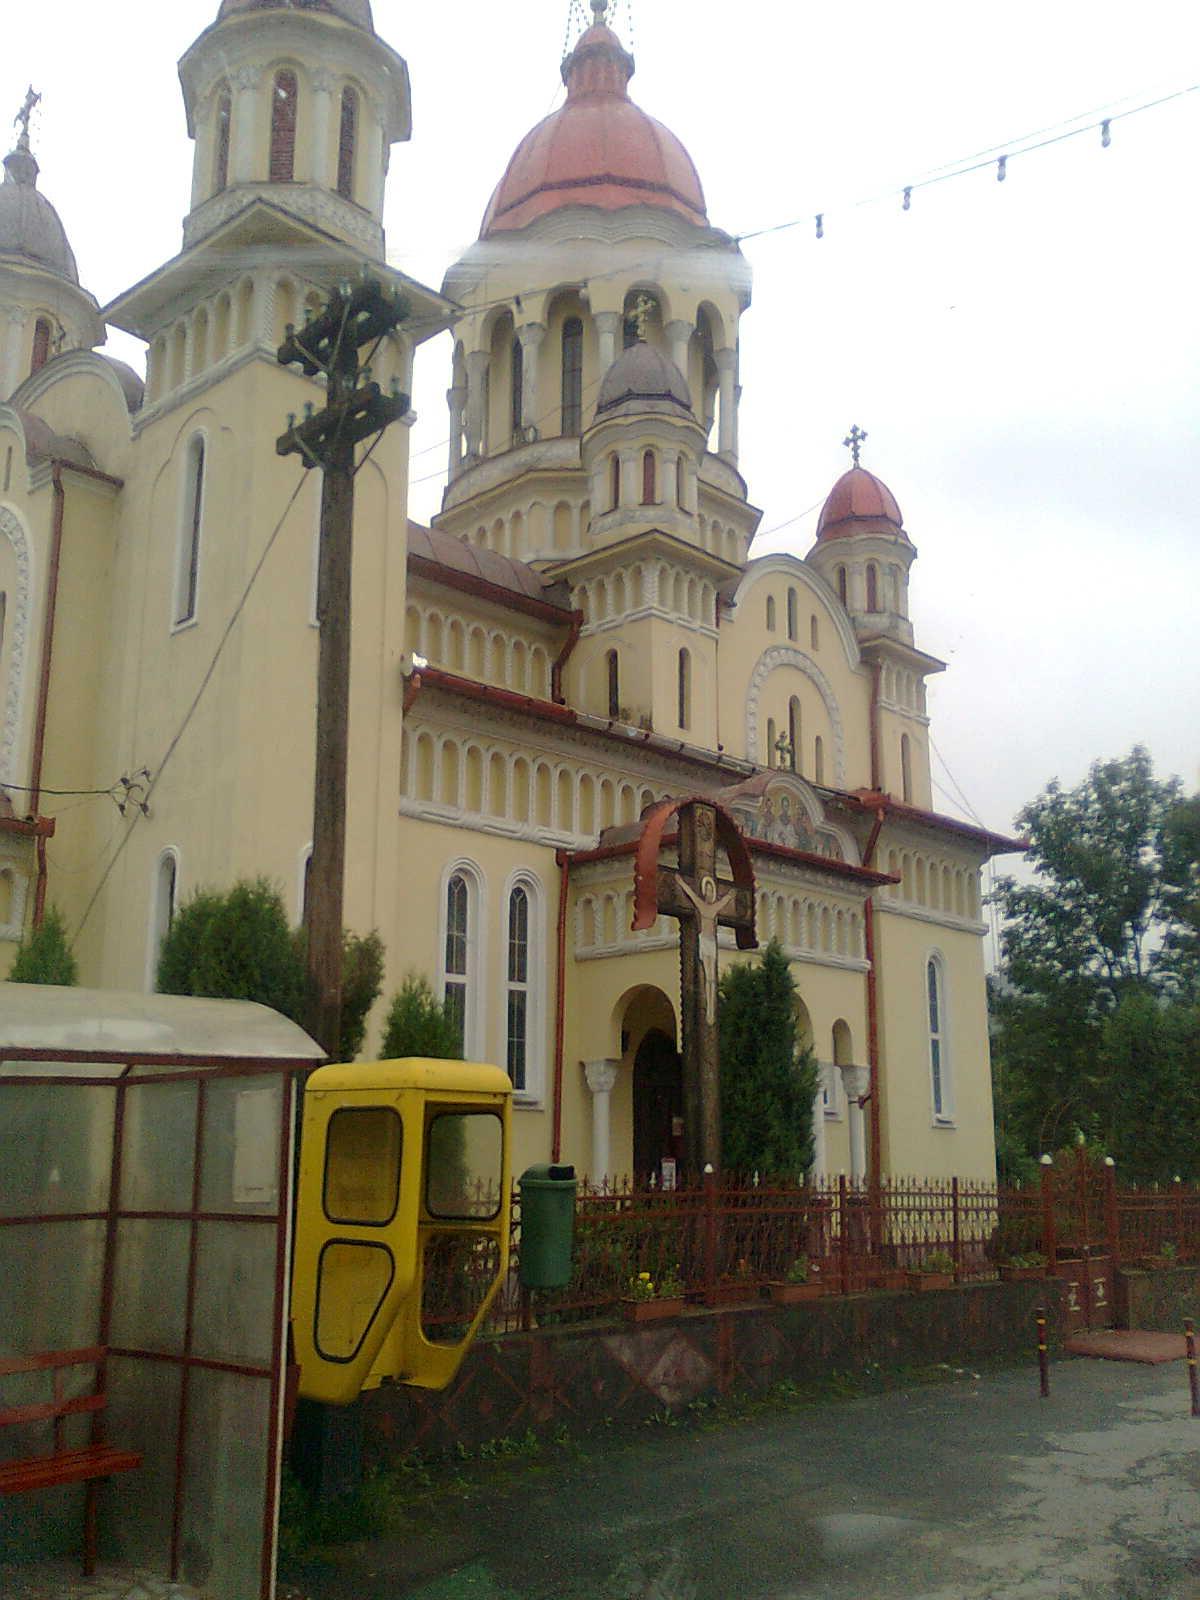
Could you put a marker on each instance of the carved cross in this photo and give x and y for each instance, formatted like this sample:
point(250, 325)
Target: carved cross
point(702, 902)
point(854, 441)
point(25, 115)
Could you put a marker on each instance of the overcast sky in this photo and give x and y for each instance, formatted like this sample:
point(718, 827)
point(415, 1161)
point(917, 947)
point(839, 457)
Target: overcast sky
point(1023, 355)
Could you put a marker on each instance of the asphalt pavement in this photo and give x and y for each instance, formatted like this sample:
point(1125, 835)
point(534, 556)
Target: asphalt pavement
point(970, 1490)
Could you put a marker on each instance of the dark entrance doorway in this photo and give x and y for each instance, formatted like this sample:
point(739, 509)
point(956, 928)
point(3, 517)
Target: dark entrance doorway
point(657, 1103)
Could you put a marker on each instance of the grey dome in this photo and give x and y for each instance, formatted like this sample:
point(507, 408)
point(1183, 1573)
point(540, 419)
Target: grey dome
point(646, 374)
point(29, 225)
point(356, 11)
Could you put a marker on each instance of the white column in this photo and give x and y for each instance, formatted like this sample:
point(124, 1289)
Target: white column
point(325, 142)
point(531, 336)
point(630, 488)
point(371, 175)
point(856, 1081)
point(820, 1164)
point(477, 367)
point(726, 376)
point(456, 399)
point(670, 483)
point(202, 164)
point(601, 1080)
point(245, 133)
point(608, 325)
point(679, 336)
point(12, 373)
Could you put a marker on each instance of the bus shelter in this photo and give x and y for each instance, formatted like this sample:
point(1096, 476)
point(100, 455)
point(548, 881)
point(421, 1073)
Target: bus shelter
point(146, 1161)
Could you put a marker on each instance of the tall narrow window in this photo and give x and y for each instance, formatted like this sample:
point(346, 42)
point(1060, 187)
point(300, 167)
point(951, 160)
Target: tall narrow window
point(794, 734)
point(814, 633)
point(818, 760)
point(572, 376)
point(454, 994)
point(614, 479)
point(649, 479)
point(41, 346)
point(772, 753)
point(906, 786)
point(285, 96)
point(938, 1063)
point(518, 986)
point(3, 619)
point(187, 570)
point(685, 689)
point(792, 619)
point(518, 386)
point(872, 586)
point(841, 584)
point(347, 143)
point(221, 144)
point(614, 684)
point(770, 613)
point(162, 909)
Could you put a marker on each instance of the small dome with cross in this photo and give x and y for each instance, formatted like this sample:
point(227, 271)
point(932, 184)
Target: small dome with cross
point(644, 375)
point(859, 502)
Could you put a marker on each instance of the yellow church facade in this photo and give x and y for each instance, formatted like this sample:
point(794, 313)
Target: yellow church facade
point(583, 630)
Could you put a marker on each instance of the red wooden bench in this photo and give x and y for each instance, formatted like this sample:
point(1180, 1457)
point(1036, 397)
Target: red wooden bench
point(90, 1465)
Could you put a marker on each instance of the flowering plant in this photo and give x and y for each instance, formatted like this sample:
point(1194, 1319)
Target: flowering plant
point(800, 1271)
point(643, 1287)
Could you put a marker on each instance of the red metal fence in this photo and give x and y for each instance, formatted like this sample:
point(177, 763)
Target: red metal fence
point(726, 1238)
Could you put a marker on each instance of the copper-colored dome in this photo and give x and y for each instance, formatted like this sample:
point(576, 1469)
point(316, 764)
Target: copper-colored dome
point(356, 11)
point(597, 150)
point(857, 500)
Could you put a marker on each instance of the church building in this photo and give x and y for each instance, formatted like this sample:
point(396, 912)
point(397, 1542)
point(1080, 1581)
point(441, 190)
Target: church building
point(583, 630)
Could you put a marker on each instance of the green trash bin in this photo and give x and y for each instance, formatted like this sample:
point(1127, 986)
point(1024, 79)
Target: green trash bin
point(547, 1225)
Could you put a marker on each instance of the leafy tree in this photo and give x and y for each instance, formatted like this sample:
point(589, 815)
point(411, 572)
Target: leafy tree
point(768, 1079)
point(1093, 1006)
point(235, 946)
point(362, 980)
point(44, 954)
point(418, 1025)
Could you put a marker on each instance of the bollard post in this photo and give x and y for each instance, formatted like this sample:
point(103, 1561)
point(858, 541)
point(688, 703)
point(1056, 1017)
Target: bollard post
point(1043, 1356)
point(1189, 1334)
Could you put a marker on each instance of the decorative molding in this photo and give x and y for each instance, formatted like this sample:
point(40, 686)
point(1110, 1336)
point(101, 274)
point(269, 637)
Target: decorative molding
point(601, 1075)
point(18, 640)
point(786, 656)
point(305, 200)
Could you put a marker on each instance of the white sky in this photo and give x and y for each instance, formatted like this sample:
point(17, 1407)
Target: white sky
point(1023, 356)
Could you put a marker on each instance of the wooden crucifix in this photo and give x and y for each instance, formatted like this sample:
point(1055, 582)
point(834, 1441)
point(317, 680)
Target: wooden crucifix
point(702, 902)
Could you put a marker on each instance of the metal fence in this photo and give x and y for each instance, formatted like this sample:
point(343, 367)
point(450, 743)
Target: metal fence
point(728, 1238)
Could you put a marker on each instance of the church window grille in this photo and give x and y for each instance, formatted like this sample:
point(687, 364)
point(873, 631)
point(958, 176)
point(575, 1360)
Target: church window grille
point(614, 684)
point(906, 786)
point(770, 613)
point(685, 689)
point(187, 571)
point(285, 95)
point(649, 476)
point(572, 376)
point(614, 475)
point(872, 587)
point(794, 733)
point(518, 385)
point(347, 143)
point(221, 153)
point(518, 987)
point(41, 346)
point(792, 620)
point(939, 1064)
point(818, 760)
point(841, 584)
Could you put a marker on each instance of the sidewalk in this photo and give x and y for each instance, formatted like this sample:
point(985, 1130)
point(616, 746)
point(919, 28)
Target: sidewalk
point(976, 1490)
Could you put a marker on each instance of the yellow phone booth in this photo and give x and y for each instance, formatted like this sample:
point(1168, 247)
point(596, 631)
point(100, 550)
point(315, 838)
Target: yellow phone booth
point(402, 1222)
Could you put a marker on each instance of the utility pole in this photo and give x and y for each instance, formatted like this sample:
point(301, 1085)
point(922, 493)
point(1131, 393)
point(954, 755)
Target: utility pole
point(357, 315)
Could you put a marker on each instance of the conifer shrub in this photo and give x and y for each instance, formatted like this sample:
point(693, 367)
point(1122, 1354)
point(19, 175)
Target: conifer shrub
point(417, 1024)
point(44, 954)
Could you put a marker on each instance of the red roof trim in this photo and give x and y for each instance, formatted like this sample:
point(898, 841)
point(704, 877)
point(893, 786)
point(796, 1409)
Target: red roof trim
point(995, 843)
point(29, 827)
point(484, 589)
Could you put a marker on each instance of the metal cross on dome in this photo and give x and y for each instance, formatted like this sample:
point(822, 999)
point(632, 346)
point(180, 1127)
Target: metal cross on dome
point(854, 441)
point(25, 115)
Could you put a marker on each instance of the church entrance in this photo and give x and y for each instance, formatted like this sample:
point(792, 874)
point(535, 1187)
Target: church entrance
point(657, 1104)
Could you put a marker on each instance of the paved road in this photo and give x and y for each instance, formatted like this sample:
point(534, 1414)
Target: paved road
point(974, 1490)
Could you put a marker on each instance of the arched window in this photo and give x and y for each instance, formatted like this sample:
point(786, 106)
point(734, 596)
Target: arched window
point(457, 951)
point(939, 1056)
point(523, 1035)
point(347, 143)
point(872, 586)
point(681, 469)
point(906, 787)
point(41, 346)
point(518, 385)
point(794, 734)
point(572, 376)
point(814, 633)
point(792, 622)
point(221, 143)
point(649, 479)
point(840, 575)
point(614, 479)
point(685, 689)
point(818, 760)
point(772, 753)
point(162, 909)
point(614, 684)
point(770, 613)
point(285, 96)
point(187, 562)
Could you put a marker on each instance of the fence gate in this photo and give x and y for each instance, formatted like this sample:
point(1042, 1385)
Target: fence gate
point(1084, 1224)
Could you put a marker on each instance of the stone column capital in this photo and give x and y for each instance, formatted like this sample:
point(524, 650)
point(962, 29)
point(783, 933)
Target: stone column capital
point(477, 361)
point(601, 1075)
point(607, 321)
point(531, 334)
point(725, 359)
point(856, 1081)
point(323, 81)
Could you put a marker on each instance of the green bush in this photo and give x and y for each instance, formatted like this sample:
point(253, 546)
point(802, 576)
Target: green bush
point(235, 946)
point(417, 1024)
point(44, 954)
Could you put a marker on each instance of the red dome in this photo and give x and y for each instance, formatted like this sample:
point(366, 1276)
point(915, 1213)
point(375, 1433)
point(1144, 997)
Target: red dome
point(597, 150)
point(858, 498)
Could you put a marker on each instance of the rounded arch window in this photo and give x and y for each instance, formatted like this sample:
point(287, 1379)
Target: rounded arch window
point(347, 143)
point(285, 103)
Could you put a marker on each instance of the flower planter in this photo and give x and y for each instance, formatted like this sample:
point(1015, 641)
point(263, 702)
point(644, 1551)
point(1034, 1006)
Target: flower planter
point(891, 1278)
point(1021, 1274)
point(790, 1294)
point(920, 1282)
point(730, 1294)
point(651, 1310)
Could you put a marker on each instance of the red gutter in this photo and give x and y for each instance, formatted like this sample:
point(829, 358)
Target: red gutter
point(43, 699)
point(872, 800)
point(564, 655)
point(43, 873)
point(411, 690)
point(876, 753)
point(874, 1152)
point(563, 862)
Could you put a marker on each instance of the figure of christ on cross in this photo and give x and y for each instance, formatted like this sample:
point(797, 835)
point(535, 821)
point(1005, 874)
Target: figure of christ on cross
point(703, 902)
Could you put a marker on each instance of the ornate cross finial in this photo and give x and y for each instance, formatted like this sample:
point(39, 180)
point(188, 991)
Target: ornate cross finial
point(854, 440)
point(640, 313)
point(25, 116)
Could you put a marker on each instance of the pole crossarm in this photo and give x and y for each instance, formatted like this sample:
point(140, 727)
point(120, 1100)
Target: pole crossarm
point(365, 412)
